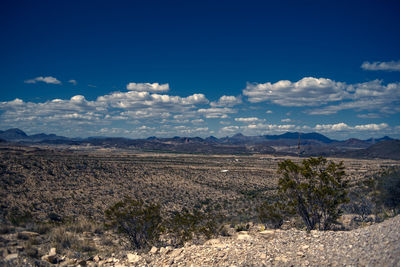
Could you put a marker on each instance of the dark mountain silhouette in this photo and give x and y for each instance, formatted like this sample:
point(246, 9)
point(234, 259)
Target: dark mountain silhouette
point(16, 134)
point(387, 149)
point(377, 140)
point(303, 136)
point(13, 134)
point(311, 144)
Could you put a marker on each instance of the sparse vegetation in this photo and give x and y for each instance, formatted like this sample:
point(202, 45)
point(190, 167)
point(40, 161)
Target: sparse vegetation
point(140, 222)
point(185, 225)
point(61, 197)
point(314, 190)
point(271, 215)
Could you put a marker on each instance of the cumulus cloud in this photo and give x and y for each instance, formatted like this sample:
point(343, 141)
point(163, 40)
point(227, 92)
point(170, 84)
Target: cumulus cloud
point(229, 129)
point(308, 91)
point(227, 101)
point(197, 121)
point(247, 120)
point(344, 127)
point(214, 113)
point(258, 129)
point(124, 107)
point(369, 116)
point(378, 65)
point(73, 82)
point(373, 95)
point(48, 79)
point(286, 120)
point(148, 87)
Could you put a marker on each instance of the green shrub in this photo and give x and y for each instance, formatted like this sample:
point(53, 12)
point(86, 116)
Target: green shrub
point(242, 227)
point(388, 185)
point(314, 190)
point(271, 215)
point(184, 225)
point(140, 222)
point(19, 218)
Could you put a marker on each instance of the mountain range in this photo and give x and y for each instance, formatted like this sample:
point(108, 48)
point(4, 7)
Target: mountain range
point(311, 144)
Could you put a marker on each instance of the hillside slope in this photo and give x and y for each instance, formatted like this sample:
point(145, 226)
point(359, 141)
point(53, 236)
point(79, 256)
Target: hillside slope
point(375, 245)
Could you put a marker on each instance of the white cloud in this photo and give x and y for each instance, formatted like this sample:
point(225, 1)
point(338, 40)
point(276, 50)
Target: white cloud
point(227, 101)
point(344, 127)
point(308, 91)
point(332, 127)
point(369, 116)
point(123, 107)
point(286, 120)
point(74, 82)
point(247, 120)
point(214, 113)
point(269, 112)
point(148, 87)
point(258, 129)
point(378, 65)
point(48, 79)
point(371, 127)
point(197, 121)
point(229, 129)
point(373, 95)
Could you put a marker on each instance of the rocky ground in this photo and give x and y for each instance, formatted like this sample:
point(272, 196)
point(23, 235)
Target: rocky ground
point(52, 211)
point(374, 245)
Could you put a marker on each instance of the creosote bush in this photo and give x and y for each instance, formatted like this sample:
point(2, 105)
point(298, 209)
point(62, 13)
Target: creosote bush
point(271, 215)
point(143, 224)
point(185, 225)
point(314, 190)
point(379, 195)
point(140, 222)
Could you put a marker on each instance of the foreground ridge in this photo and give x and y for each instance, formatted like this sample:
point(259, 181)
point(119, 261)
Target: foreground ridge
point(374, 245)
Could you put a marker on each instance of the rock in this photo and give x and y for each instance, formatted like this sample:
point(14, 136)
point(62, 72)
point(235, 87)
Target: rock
point(133, 258)
point(68, 262)
point(27, 235)
point(153, 250)
point(164, 250)
point(82, 263)
point(212, 241)
point(53, 252)
point(305, 247)
point(96, 258)
point(267, 233)
point(11, 257)
point(245, 236)
point(282, 259)
point(175, 252)
point(50, 258)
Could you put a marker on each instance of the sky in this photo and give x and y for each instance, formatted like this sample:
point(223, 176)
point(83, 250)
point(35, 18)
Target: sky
point(199, 68)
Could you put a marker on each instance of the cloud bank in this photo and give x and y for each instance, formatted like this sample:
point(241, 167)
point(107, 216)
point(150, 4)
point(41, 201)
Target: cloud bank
point(148, 87)
point(378, 65)
point(48, 79)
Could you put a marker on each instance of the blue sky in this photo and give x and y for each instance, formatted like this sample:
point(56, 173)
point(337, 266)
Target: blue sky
point(200, 68)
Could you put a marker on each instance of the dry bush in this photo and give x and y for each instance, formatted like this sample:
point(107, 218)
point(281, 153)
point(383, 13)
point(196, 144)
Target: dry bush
point(65, 241)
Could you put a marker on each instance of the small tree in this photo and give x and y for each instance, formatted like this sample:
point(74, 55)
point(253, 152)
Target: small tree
point(315, 190)
point(271, 215)
point(140, 222)
point(184, 225)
